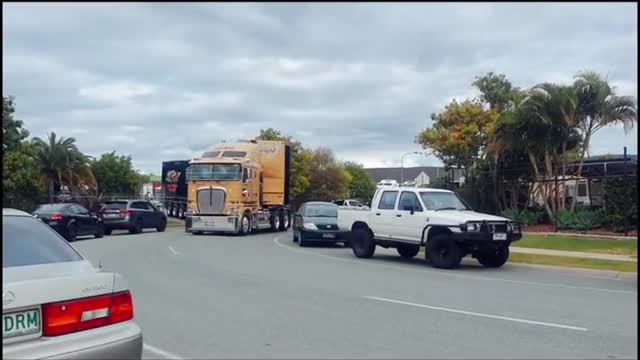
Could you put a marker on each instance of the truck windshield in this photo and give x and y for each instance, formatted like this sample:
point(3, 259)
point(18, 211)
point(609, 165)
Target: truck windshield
point(214, 172)
point(442, 201)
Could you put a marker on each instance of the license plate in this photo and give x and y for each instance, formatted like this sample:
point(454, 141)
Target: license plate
point(499, 236)
point(328, 236)
point(53, 223)
point(21, 323)
point(111, 216)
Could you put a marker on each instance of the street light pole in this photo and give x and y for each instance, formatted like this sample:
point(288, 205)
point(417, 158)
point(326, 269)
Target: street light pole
point(402, 164)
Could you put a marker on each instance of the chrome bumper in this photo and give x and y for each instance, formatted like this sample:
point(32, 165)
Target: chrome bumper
point(212, 223)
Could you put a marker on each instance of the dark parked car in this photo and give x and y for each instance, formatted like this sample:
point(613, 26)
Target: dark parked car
point(70, 220)
point(132, 215)
point(318, 221)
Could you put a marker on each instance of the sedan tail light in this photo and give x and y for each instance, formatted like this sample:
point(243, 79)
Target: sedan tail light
point(56, 217)
point(82, 314)
point(126, 212)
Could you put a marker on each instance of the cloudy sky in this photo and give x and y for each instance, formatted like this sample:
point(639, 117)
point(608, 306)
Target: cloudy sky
point(164, 81)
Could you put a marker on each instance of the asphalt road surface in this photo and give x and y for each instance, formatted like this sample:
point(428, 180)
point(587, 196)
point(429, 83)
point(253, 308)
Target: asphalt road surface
point(261, 296)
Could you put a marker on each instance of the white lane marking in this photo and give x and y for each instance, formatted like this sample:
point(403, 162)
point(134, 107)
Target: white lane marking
point(506, 318)
point(453, 274)
point(165, 354)
point(173, 250)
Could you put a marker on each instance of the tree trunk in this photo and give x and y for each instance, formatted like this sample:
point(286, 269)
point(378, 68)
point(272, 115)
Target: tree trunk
point(587, 139)
point(563, 196)
point(536, 172)
point(495, 184)
point(51, 185)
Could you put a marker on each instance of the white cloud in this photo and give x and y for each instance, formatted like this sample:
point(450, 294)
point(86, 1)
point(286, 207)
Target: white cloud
point(116, 92)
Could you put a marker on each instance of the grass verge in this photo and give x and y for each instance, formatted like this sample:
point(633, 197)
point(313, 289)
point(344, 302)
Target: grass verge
point(572, 262)
point(573, 243)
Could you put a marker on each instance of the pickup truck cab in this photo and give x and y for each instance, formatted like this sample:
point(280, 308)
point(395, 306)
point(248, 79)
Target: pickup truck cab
point(407, 218)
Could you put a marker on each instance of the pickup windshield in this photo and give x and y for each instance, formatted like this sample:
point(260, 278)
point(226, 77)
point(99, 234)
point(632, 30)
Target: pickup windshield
point(442, 201)
point(214, 172)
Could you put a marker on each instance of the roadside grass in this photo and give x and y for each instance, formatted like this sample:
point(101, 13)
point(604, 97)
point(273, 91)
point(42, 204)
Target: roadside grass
point(573, 243)
point(573, 262)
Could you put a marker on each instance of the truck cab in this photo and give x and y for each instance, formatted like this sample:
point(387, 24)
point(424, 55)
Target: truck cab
point(239, 188)
point(408, 218)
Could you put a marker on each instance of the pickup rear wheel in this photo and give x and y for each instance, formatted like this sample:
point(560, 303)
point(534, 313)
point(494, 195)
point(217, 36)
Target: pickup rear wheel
point(494, 258)
point(408, 251)
point(443, 252)
point(362, 243)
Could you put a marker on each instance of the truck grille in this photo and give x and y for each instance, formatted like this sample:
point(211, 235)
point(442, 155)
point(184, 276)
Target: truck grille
point(211, 201)
point(494, 227)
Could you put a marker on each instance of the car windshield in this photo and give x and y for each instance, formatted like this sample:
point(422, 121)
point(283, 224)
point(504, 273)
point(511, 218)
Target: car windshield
point(27, 241)
point(321, 211)
point(442, 201)
point(214, 172)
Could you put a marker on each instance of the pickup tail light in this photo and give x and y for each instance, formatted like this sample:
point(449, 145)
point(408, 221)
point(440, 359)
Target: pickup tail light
point(82, 314)
point(56, 217)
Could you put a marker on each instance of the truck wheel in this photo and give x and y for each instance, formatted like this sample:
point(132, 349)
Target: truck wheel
point(274, 220)
point(444, 253)
point(245, 225)
point(282, 216)
point(286, 222)
point(494, 258)
point(362, 243)
point(408, 251)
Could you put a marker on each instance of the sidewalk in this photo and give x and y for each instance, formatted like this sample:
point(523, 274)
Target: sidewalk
point(591, 236)
point(575, 254)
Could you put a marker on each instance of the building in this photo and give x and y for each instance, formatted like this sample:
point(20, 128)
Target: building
point(587, 190)
point(416, 176)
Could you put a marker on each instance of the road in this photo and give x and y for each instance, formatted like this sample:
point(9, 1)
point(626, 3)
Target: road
point(261, 296)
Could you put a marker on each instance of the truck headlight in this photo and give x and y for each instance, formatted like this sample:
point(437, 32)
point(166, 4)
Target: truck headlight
point(473, 227)
point(310, 226)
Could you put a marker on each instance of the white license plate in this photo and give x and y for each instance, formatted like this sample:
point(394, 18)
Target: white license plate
point(328, 236)
point(53, 223)
point(111, 216)
point(21, 323)
point(499, 236)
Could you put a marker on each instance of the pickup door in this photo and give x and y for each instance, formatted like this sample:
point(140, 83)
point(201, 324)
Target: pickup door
point(383, 219)
point(410, 218)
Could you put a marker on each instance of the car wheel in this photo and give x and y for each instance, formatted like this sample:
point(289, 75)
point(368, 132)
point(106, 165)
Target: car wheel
point(245, 225)
point(72, 232)
point(163, 225)
point(362, 243)
point(444, 253)
point(494, 258)
point(281, 217)
point(107, 231)
point(408, 251)
point(99, 232)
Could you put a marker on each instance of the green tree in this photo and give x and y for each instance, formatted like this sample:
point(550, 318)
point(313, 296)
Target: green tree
point(459, 135)
point(59, 162)
point(362, 186)
point(496, 90)
point(600, 107)
point(328, 180)
point(115, 175)
point(13, 132)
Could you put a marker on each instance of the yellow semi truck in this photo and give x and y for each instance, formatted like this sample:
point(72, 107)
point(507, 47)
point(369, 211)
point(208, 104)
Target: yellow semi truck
point(239, 188)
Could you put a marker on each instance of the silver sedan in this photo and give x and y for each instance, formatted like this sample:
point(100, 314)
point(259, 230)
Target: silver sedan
point(55, 303)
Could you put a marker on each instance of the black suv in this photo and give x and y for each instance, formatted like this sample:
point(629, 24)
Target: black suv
point(132, 215)
point(70, 220)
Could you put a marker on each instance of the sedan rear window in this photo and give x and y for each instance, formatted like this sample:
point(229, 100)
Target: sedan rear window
point(321, 211)
point(27, 241)
point(115, 206)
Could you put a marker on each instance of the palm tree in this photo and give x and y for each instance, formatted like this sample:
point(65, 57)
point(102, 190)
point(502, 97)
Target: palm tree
point(58, 161)
point(600, 107)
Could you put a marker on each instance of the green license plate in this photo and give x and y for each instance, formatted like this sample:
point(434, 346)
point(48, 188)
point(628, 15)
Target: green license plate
point(21, 323)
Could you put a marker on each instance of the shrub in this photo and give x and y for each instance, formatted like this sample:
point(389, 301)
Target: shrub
point(581, 219)
point(525, 217)
point(621, 199)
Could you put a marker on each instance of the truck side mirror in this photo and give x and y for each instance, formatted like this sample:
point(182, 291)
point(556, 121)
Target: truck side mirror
point(245, 176)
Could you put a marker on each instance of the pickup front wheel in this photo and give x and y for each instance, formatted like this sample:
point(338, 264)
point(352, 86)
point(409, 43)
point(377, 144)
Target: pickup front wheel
point(362, 243)
point(443, 252)
point(494, 258)
point(408, 251)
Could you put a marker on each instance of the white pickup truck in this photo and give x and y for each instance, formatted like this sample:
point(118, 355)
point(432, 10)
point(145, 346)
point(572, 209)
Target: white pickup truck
point(407, 218)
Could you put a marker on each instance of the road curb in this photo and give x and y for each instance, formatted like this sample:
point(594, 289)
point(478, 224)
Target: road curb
point(613, 275)
point(572, 254)
point(591, 236)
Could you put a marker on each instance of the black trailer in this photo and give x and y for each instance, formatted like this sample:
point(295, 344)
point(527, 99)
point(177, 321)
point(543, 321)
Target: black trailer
point(174, 187)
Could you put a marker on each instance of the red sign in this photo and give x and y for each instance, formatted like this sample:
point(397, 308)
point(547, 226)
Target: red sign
point(171, 187)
